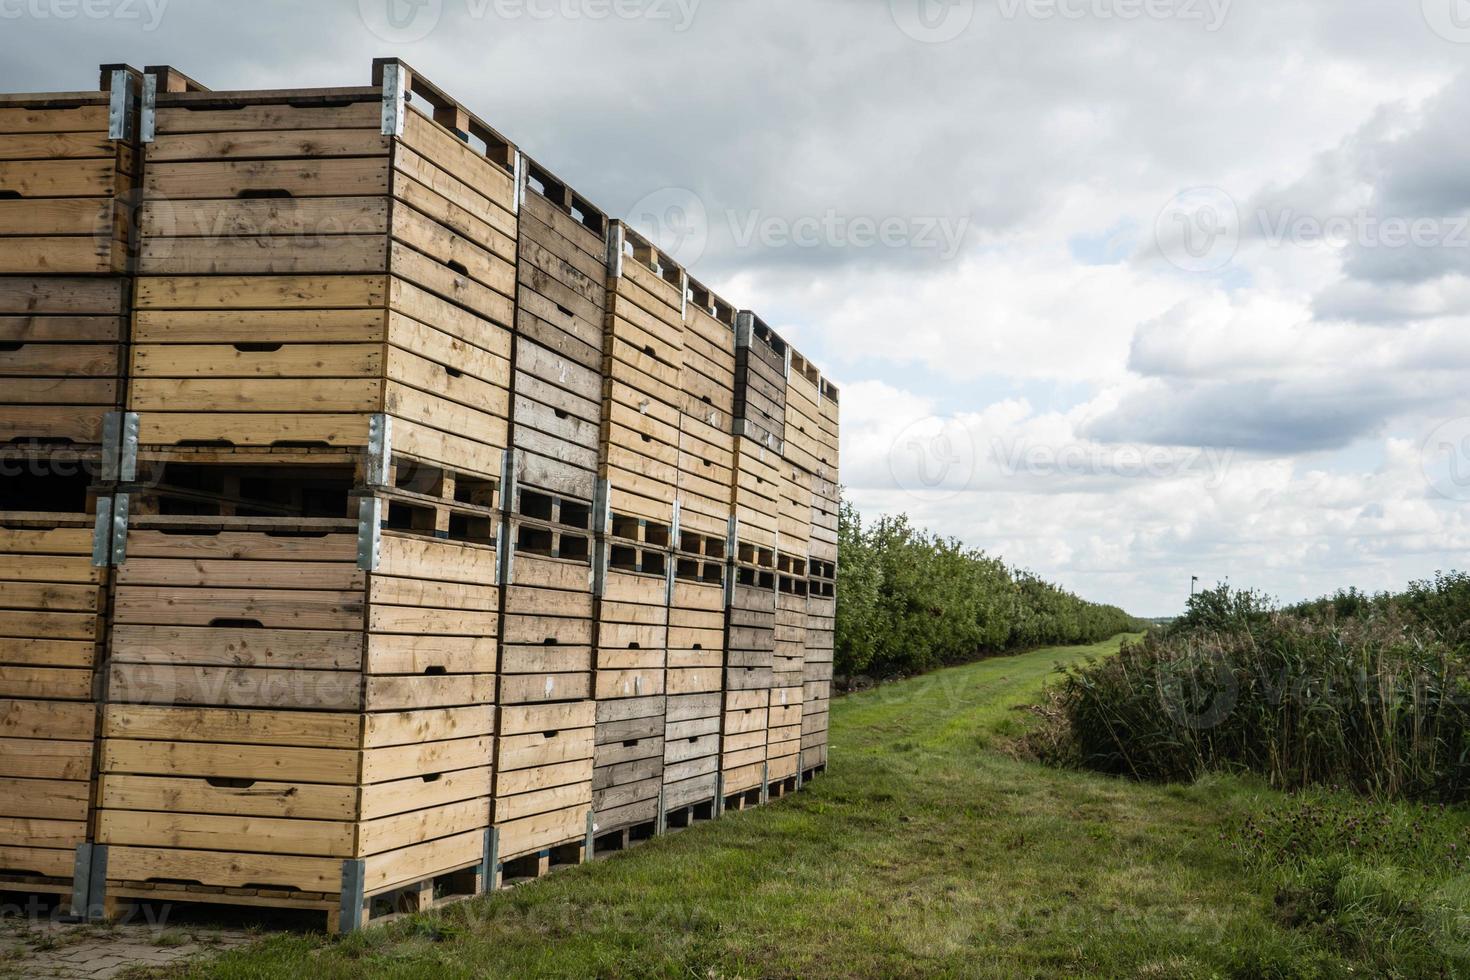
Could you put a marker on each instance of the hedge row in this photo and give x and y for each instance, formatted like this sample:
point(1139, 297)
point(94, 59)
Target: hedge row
point(909, 601)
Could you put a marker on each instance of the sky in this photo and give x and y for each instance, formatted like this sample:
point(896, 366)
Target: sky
point(1122, 291)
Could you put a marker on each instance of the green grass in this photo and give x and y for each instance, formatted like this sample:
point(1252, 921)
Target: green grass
point(926, 850)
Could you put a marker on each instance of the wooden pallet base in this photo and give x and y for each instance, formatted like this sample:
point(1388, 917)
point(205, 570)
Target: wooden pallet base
point(626, 838)
point(808, 775)
point(378, 909)
point(528, 868)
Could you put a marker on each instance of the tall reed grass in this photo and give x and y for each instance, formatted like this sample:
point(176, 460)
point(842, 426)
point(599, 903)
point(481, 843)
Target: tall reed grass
point(1377, 699)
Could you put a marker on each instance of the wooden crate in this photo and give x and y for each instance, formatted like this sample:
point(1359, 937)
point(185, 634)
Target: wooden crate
point(560, 315)
point(52, 607)
point(796, 512)
point(300, 269)
point(750, 649)
point(543, 763)
point(760, 382)
point(804, 442)
point(294, 701)
point(783, 740)
point(632, 651)
point(67, 178)
point(824, 519)
point(643, 357)
point(695, 675)
point(817, 667)
point(827, 411)
point(706, 421)
point(756, 492)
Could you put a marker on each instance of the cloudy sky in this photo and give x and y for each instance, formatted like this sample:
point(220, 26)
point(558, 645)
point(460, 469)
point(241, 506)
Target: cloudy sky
point(1123, 291)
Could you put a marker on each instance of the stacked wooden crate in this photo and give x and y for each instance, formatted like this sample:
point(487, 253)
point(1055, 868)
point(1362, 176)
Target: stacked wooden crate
point(547, 708)
point(822, 591)
point(390, 523)
point(636, 513)
point(697, 602)
point(300, 707)
point(68, 169)
point(756, 510)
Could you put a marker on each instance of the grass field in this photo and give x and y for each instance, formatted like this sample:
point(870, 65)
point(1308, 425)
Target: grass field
point(926, 850)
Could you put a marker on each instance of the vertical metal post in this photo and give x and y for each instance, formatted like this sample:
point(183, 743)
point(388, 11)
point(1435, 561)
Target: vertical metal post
point(354, 879)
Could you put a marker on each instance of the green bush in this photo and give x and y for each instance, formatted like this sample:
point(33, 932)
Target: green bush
point(1371, 693)
point(908, 602)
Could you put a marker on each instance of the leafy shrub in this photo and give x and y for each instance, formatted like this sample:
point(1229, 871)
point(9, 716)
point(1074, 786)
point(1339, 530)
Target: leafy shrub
point(1373, 698)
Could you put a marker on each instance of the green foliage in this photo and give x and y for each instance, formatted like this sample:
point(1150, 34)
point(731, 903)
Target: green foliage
point(1355, 691)
point(909, 601)
point(1383, 881)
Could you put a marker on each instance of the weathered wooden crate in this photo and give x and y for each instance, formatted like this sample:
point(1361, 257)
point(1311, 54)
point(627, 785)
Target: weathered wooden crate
point(706, 421)
point(299, 710)
point(795, 525)
point(543, 762)
point(756, 493)
point(632, 583)
point(309, 258)
point(68, 168)
point(783, 739)
point(827, 410)
point(750, 649)
point(52, 608)
point(695, 675)
point(824, 519)
point(560, 318)
point(805, 443)
point(817, 667)
point(643, 358)
point(760, 382)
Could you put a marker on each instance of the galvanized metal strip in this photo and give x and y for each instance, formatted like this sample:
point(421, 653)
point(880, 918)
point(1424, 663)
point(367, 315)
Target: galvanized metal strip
point(148, 118)
point(102, 534)
point(97, 883)
point(127, 460)
point(121, 504)
point(521, 177)
point(505, 573)
point(599, 567)
point(615, 251)
point(494, 859)
point(120, 105)
point(744, 329)
point(765, 783)
point(81, 879)
point(395, 98)
point(112, 424)
point(380, 450)
point(509, 466)
point(719, 810)
point(354, 879)
point(661, 825)
point(369, 533)
point(602, 508)
point(589, 846)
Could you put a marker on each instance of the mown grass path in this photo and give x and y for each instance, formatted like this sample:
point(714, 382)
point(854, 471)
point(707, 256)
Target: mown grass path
point(924, 851)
